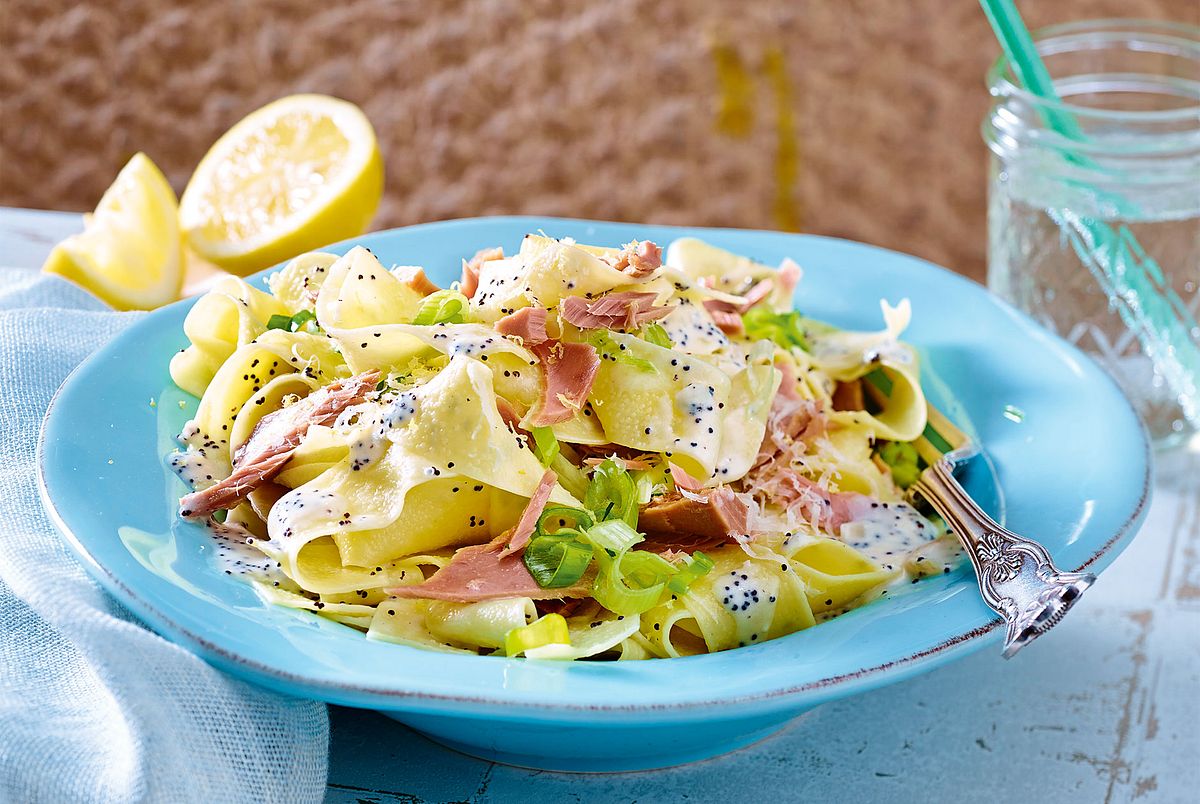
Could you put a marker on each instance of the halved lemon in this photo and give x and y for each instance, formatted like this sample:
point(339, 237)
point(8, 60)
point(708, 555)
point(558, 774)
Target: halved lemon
point(297, 174)
point(130, 252)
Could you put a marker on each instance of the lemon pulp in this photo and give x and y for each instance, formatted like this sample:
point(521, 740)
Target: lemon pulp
point(130, 253)
point(295, 175)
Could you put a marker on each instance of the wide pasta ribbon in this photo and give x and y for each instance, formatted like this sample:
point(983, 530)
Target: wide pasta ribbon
point(545, 271)
point(890, 366)
point(227, 317)
point(446, 470)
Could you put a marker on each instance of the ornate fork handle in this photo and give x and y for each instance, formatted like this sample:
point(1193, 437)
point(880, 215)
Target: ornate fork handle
point(1016, 575)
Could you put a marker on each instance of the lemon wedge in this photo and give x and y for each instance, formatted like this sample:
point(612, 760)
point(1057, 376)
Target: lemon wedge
point(297, 174)
point(130, 252)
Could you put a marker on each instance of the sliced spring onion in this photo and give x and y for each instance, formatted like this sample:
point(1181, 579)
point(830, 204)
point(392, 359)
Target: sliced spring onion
point(549, 522)
point(630, 581)
point(300, 319)
point(612, 497)
point(392, 382)
point(570, 476)
point(609, 349)
point(646, 569)
point(612, 494)
point(567, 539)
point(697, 567)
point(614, 535)
point(614, 594)
point(880, 379)
point(650, 483)
point(655, 334)
point(589, 639)
point(293, 323)
point(902, 458)
point(549, 630)
point(545, 445)
point(786, 329)
point(558, 555)
point(556, 562)
point(442, 307)
point(937, 440)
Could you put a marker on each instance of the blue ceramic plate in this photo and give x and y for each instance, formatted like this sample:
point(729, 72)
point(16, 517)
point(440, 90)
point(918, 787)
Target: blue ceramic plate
point(1074, 470)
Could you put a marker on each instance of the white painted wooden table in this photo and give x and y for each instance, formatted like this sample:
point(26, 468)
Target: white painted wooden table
point(1106, 708)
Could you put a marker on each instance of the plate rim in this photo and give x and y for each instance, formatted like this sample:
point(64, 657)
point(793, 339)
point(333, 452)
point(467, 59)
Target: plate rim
point(368, 696)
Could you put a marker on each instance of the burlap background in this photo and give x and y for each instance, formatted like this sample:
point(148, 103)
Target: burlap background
point(857, 118)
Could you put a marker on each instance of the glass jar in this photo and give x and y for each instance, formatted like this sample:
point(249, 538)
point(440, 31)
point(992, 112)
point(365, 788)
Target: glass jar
point(1094, 206)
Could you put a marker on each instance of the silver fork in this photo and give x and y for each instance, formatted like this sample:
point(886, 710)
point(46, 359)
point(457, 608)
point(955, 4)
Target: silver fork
point(1016, 576)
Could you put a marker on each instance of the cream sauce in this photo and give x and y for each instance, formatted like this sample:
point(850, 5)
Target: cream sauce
point(692, 329)
point(887, 533)
point(938, 557)
point(201, 463)
point(236, 555)
point(700, 430)
point(471, 346)
point(300, 507)
point(749, 596)
point(374, 423)
point(696, 401)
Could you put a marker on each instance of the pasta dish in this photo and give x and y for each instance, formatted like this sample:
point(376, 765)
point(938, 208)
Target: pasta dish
point(571, 452)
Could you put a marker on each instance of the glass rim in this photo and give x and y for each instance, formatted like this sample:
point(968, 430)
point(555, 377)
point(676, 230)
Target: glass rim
point(1188, 35)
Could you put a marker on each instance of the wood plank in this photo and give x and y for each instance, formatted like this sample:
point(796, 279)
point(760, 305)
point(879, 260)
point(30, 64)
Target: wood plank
point(27, 235)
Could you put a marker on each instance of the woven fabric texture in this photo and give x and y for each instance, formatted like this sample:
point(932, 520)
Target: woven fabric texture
point(853, 118)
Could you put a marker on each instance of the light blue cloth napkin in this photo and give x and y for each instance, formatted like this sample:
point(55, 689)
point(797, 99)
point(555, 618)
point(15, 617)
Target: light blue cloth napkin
point(94, 707)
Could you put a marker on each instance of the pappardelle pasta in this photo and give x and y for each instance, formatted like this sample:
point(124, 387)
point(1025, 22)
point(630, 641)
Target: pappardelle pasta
point(573, 452)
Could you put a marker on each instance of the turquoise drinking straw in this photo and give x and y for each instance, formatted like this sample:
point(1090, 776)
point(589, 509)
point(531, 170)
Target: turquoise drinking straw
point(1027, 64)
point(1132, 280)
